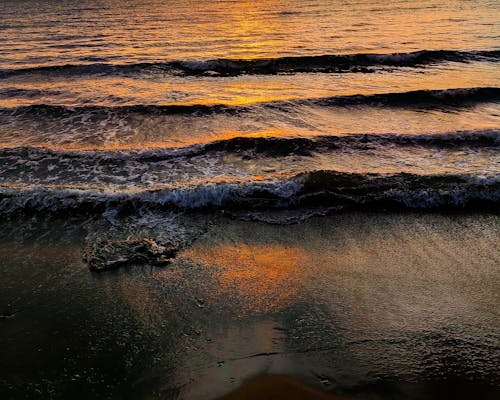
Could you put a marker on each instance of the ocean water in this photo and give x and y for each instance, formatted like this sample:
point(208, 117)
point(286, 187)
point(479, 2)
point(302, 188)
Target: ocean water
point(268, 104)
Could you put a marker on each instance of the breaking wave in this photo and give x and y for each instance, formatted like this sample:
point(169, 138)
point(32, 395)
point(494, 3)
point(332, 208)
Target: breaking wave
point(264, 146)
point(326, 63)
point(274, 146)
point(456, 97)
point(320, 188)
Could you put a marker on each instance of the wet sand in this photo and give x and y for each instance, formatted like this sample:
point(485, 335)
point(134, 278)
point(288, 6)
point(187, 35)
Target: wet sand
point(276, 387)
point(356, 305)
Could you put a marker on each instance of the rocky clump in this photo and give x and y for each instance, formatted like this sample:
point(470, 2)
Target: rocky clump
point(102, 255)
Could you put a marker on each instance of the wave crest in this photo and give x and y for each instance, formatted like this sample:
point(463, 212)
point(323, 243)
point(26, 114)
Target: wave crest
point(326, 63)
point(445, 98)
point(266, 146)
point(312, 189)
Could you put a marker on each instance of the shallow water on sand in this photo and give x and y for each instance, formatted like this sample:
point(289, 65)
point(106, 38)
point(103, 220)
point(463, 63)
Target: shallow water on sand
point(358, 304)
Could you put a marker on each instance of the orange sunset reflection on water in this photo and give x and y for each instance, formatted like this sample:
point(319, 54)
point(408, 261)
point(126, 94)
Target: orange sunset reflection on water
point(265, 276)
point(247, 29)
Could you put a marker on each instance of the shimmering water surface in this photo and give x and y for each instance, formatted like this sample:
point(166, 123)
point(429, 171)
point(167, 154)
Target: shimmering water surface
point(125, 76)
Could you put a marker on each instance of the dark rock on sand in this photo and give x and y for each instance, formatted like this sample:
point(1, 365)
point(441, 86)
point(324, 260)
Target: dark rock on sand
point(101, 255)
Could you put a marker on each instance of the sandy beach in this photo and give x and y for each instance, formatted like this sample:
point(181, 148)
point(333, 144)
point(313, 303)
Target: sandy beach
point(360, 305)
